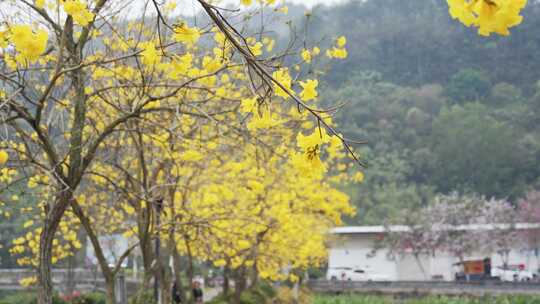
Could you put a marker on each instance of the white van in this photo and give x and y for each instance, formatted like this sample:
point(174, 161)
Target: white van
point(354, 274)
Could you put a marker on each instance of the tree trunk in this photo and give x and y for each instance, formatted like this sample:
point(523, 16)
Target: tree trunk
point(254, 277)
point(226, 282)
point(145, 241)
point(44, 270)
point(70, 275)
point(190, 263)
point(50, 226)
point(417, 258)
point(165, 277)
point(177, 269)
point(239, 285)
point(110, 286)
point(108, 274)
point(462, 260)
point(147, 258)
point(537, 260)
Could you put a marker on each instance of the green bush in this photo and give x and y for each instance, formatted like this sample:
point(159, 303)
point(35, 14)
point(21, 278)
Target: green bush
point(143, 297)
point(220, 299)
point(90, 298)
point(262, 293)
point(5, 293)
point(252, 296)
point(27, 298)
point(285, 295)
point(267, 289)
point(352, 299)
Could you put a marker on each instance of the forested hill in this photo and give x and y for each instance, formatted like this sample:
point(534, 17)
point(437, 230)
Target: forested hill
point(416, 42)
point(443, 108)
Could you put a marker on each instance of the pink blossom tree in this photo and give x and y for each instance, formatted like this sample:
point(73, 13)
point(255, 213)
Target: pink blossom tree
point(529, 212)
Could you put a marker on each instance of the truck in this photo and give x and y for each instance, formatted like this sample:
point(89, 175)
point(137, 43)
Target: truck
point(482, 270)
point(473, 270)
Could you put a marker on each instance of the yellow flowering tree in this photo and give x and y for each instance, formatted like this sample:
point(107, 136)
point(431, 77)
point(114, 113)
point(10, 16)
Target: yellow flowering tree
point(71, 88)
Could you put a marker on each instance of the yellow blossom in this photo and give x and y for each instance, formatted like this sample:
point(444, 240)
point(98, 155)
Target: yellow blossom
point(341, 41)
point(78, 10)
point(256, 49)
point(3, 157)
point(25, 282)
point(338, 53)
point(283, 77)
point(263, 121)
point(149, 54)
point(188, 35)
point(358, 177)
point(284, 10)
point(306, 55)
point(309, 91)
point(489, 16)
point(40, 3)
point(30, 45)
point(248, 105)
point(191, 155)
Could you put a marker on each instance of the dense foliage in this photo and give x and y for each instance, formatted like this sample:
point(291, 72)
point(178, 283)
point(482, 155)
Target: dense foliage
point(412, 43)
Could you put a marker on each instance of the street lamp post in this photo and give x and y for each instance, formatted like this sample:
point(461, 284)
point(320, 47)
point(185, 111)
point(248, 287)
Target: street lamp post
point(158, 207)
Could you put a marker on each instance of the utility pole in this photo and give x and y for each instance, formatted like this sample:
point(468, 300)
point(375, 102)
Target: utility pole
point(157, 276)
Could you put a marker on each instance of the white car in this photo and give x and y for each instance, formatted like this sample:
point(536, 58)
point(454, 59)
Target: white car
point(511, 274)
point(354, 274)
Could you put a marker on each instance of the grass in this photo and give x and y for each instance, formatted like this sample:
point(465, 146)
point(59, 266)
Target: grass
point(362, 299)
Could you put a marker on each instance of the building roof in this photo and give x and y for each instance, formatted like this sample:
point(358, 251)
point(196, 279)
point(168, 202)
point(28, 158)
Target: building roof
point(403, 228)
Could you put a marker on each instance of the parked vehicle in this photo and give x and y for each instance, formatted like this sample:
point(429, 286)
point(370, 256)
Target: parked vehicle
point(481, 270)
point(512, 273)
point(354, 274)
point(473, 270)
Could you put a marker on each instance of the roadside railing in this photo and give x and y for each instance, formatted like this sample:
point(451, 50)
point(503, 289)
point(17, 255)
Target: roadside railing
point(426, 287)
point(82, 280)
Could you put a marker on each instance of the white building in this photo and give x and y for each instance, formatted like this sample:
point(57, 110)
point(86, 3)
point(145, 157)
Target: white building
point(353, 247)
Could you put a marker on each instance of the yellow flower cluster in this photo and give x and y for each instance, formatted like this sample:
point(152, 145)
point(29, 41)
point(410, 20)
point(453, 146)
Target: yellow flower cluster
point(263, 119)
point(28, 281)
point(309, 89)
point(307, 55)
point(3, 157)
point(283, 77)
point(188, 35)
point(78, 11)
point(28, 43)
point(489, 16)
point(150, 55)
point(27, 246)
point(339, 51)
